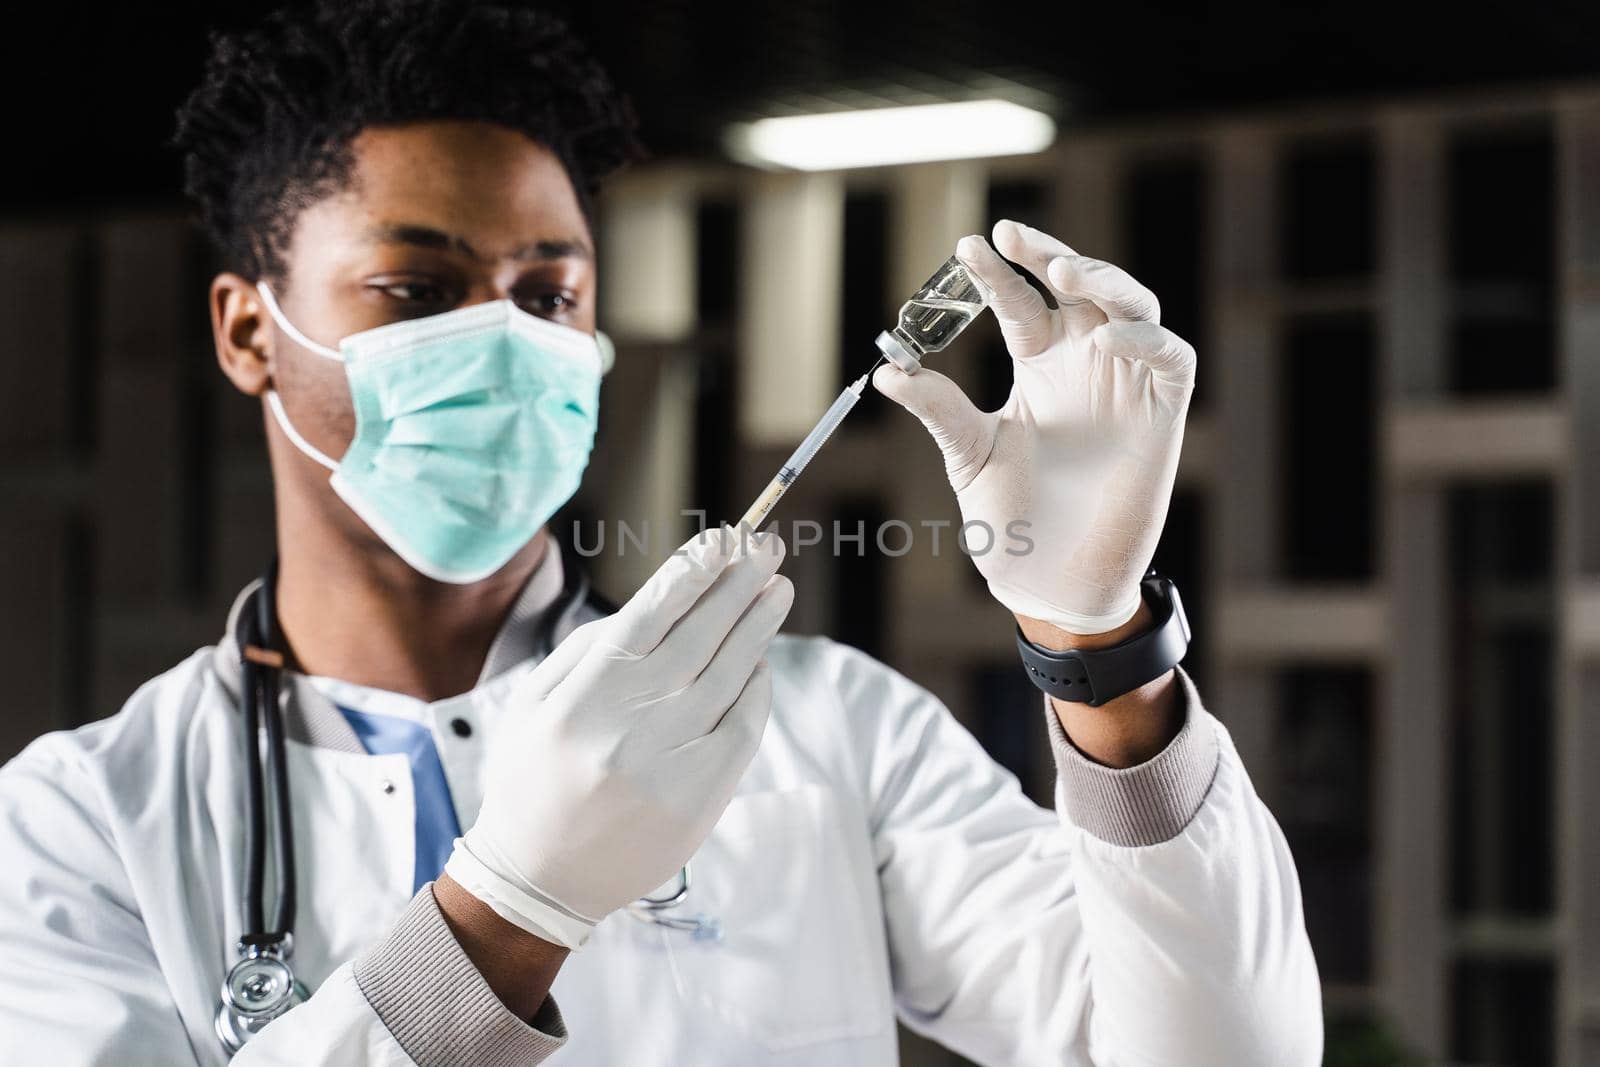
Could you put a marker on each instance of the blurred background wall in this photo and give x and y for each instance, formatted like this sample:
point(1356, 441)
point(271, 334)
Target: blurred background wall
point(1387, 523)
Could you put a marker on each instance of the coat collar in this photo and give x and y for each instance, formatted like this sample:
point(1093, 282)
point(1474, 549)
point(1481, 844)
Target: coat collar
point(309, 717)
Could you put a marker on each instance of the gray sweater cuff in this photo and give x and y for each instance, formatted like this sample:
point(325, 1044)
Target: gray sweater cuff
point(436, 1004)
point(1148, 803)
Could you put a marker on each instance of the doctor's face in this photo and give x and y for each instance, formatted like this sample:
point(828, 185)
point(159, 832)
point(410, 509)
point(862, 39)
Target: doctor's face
point(435, 216)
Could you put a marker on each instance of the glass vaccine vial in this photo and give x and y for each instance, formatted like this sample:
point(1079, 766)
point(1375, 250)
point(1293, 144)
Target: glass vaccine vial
point(931, 319)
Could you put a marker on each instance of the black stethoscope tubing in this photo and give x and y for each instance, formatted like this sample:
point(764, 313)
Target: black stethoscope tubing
point(259, 709)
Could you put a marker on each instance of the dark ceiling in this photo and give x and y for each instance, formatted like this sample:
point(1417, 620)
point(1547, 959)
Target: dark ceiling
point(92, 95)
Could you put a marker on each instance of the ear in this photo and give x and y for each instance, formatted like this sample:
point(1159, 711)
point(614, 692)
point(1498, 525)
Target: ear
point(239, 327)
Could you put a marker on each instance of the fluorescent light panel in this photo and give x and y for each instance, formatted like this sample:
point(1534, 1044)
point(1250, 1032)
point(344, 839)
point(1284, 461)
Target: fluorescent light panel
point(889, 135)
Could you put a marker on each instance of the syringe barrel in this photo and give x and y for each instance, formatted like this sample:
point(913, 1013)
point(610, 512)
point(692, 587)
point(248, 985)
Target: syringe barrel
point(797, 462)
point(822, 431)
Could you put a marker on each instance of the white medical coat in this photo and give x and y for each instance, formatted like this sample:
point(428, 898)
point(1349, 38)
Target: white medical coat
point(874, 862)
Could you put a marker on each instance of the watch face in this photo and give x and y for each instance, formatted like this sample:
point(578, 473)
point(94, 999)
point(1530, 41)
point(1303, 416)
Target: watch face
point(1167, 590)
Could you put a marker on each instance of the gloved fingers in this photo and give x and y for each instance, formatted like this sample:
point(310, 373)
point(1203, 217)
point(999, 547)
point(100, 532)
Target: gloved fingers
point(1111, 289)
point(697, 638)
point(1170, 358)
point(549, 672)
point(1024, 318)
point(1035, 250)
point(672, 591)
point(726, 676)
point(964, 434)
point(1029, 248)
point(732, 743)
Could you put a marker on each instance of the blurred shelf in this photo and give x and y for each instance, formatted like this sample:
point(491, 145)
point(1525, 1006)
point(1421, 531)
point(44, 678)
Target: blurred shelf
point(1287, 299)
point(1306, 625)
point(29, 480)
point(1515, 300)
point(1477, 440)
point(1514, 603)
point(1581, 286)
point(158, 629)
point(974, 640)
point(1582, 620)
point(1503, 937)
point(1348, 998)
point(1324, 298)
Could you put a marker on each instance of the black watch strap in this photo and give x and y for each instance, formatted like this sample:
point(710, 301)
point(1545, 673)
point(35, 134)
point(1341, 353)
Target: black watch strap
point(1095, 677)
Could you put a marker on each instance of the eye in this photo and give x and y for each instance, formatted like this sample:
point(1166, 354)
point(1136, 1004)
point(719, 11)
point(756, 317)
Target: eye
point(413, 292)
point(552, 303)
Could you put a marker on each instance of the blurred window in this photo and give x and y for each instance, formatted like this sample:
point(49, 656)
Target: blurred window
point(860, 591)
point(866, 302)
point(1504, 1013)
point(1329, 189)
point(1164, 239)
point(717, 238)
point(1501, 332)
point(1502, 648)
point(1329, 422)
point(1324, 749)
point(1008, 720)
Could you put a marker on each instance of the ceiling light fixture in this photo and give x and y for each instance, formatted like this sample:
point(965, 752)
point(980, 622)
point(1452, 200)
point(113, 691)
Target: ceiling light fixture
point(889, 135)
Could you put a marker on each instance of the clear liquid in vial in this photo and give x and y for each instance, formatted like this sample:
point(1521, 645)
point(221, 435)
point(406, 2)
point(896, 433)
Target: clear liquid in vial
point(931, 323)
point(941, 309)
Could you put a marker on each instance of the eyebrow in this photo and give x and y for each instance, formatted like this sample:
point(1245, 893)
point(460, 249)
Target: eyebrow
point(431, 238)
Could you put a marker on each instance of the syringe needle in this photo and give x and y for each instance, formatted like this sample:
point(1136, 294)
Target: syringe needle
point(769, 497)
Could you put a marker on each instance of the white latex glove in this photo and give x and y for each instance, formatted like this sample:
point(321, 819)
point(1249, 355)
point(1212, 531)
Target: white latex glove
point(1085, 449)
point(620, 751)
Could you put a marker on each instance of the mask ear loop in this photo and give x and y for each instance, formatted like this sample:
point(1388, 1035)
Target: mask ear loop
point(289, 328)
point(273, 400)
point(293, 435)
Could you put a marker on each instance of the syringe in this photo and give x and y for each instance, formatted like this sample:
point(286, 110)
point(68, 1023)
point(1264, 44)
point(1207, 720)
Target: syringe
point(797, 462)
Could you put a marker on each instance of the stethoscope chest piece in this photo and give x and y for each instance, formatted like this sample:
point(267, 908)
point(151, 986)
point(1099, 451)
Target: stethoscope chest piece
point(655, 909)
point(259, 988)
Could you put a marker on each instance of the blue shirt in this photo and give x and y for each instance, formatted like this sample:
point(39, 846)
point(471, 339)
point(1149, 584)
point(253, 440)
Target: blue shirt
point(436, 824)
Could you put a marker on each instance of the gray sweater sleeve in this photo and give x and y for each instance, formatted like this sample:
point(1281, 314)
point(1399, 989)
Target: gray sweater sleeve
point(1148, 803)
point(429, 995)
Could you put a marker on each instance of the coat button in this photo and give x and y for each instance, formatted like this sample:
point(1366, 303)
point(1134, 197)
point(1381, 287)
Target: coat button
point(462, 727)
point(388, 787)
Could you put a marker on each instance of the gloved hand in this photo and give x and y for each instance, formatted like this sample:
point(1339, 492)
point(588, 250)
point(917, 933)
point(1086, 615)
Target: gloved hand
point(621, 750)
point(1085, 449)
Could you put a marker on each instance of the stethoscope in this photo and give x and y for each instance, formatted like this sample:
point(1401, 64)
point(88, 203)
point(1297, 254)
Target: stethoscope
point(261, 985)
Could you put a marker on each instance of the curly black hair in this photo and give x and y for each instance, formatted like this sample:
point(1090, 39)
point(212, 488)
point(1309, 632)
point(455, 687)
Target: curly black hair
point(268, 131)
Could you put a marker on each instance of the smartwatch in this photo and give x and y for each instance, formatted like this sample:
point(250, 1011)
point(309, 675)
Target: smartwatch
point(1095, 676)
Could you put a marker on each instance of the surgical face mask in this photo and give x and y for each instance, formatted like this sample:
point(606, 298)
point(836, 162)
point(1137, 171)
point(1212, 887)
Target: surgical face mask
point(472, 428)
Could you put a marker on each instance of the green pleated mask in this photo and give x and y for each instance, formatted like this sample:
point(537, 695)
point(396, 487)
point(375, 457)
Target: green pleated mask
point(472, 428)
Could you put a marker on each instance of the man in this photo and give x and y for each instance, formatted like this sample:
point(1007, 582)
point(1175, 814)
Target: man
point(401, 190)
